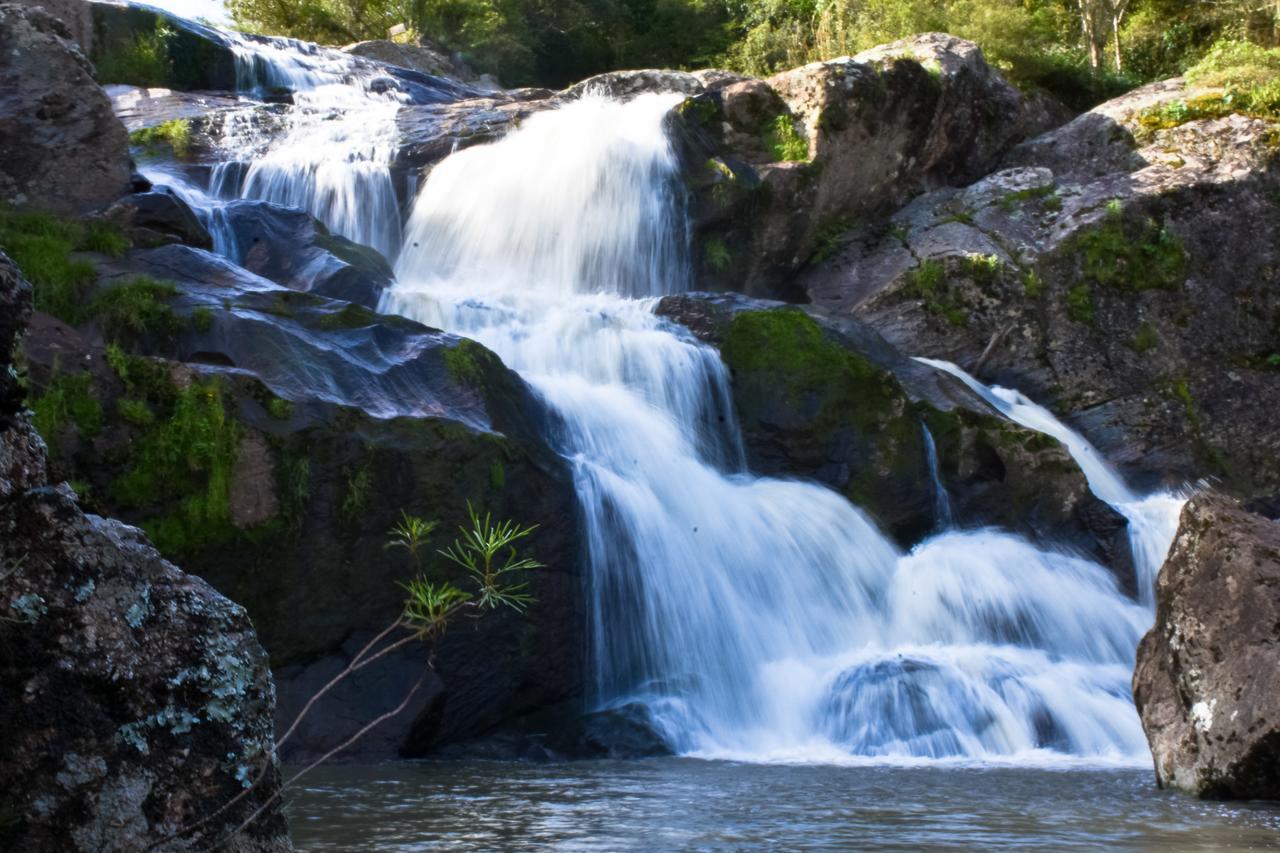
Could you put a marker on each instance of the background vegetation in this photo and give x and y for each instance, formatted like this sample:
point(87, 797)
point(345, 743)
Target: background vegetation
point(1082, 50)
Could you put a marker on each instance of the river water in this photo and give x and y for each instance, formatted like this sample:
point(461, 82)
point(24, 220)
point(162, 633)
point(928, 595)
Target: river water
point(687, 804)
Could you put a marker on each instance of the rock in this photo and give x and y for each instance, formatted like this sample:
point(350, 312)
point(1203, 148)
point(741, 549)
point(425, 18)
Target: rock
point(334, 419)
point(625, 85)
point(1122, 275)
point(826, 397)
point(61, 149)
point(418, 57)
point(139, 700)
point(160, 216)
point(1207, 682)
point(294, 249)
point(780, 168)
point(144, 46)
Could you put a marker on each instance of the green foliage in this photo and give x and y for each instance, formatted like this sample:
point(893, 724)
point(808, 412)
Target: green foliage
point(468, 362)
point(136, 412)
point(42, 246)
point(829, 239)
point(67, 402)
point(202, 319)
point(1145, 339)
point(181, 470)
point(1130, 254)
point(1032, 284)
point(716, 254)
point(279, 408)
point(355, 499)
point(785, 142)
point(412, 534)
point(429, 605)
point(928, 282)
point(1080, 304)
point(174, 134)
point(1012, 201)
point(487, 551)
point(135, 308)
point(145, 61)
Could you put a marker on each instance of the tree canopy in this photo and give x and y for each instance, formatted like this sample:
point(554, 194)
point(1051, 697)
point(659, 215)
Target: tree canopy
point(1080, 50)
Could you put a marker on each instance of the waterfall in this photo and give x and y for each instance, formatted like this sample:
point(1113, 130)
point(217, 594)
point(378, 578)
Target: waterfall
point(756, 618)
point(332, 157)
point(1153, 519)
point(942, 514)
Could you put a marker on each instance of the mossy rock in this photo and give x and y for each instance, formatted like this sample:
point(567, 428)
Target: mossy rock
point(145, 47)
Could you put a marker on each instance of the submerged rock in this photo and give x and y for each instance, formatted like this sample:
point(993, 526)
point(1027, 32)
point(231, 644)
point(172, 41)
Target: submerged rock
point(1207, 682)
point(137, 700)
point(61, 148)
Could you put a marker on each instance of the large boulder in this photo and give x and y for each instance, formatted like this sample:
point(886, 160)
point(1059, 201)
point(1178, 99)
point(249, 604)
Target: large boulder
point(1122, 269)
point(61, 148)
point(144, 46)
point(1207, 682)
point(137, 701)
point(826, 397)
point(780, 168)
point(319, 423)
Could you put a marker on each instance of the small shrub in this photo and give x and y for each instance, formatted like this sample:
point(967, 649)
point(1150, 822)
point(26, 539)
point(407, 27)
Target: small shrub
point(1032, 284)
point(136, 412)
point(143, 61)
point(135, 308)
point(1080, 304)
point(67, 402)
point(202, 319)
point(785, 142)
point(174, 134)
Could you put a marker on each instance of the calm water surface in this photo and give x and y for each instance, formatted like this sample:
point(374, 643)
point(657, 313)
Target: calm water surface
point(688, 804)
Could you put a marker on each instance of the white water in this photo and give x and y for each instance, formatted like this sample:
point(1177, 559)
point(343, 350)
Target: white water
point(757, 618)
point(333, 156)
point(1153, 519)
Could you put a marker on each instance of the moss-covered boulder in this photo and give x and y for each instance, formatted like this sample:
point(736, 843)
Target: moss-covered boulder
point(828, 398)
point(271, 438)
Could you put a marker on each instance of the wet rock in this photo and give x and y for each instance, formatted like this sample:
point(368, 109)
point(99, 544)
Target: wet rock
point(1207, 682)
point(418, 57)
point(188, 56)
point(337, 419)
point(160, 216)
point(140, 700)
point(294, 249)
point(827, 397)
point(61, 149)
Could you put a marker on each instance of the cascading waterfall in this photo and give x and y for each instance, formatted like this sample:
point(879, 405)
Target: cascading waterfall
point(334, 156)
point(1153, 519)
point(754, 618)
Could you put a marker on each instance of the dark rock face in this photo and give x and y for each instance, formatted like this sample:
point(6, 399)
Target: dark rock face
point(294, 249)
point(1207, 682)
point(61, 148)
point(336, 419)
point(160, 216)
point(826, 397)
point(1124, 277)
point(138, 700)
point(625, 85)
point(189, 55)
point(779, 168)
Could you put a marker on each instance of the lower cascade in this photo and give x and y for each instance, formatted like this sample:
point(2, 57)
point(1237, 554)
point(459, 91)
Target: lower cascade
point(753, 618)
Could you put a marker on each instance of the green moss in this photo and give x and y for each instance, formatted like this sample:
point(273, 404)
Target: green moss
point(1181, 391)
point(279, 408)
point(136, 412)
point(42, 247)
point(784, 141)
point(829, 238)
point(135, 308)
point(964, 217)
point(202, 319)
point(182, 471)
point(468, 362)
point(1130, 254)
point(716, 254)
point(355, 498)
point(1080, 304)
point(929, 283)
point(67, 402)
point(174, 134)
point(351, 316)
point(293, 478)
point(1145, 339)
point(1032, 284)
point(105, 238)
point(497, 475)
point(1014, 200)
